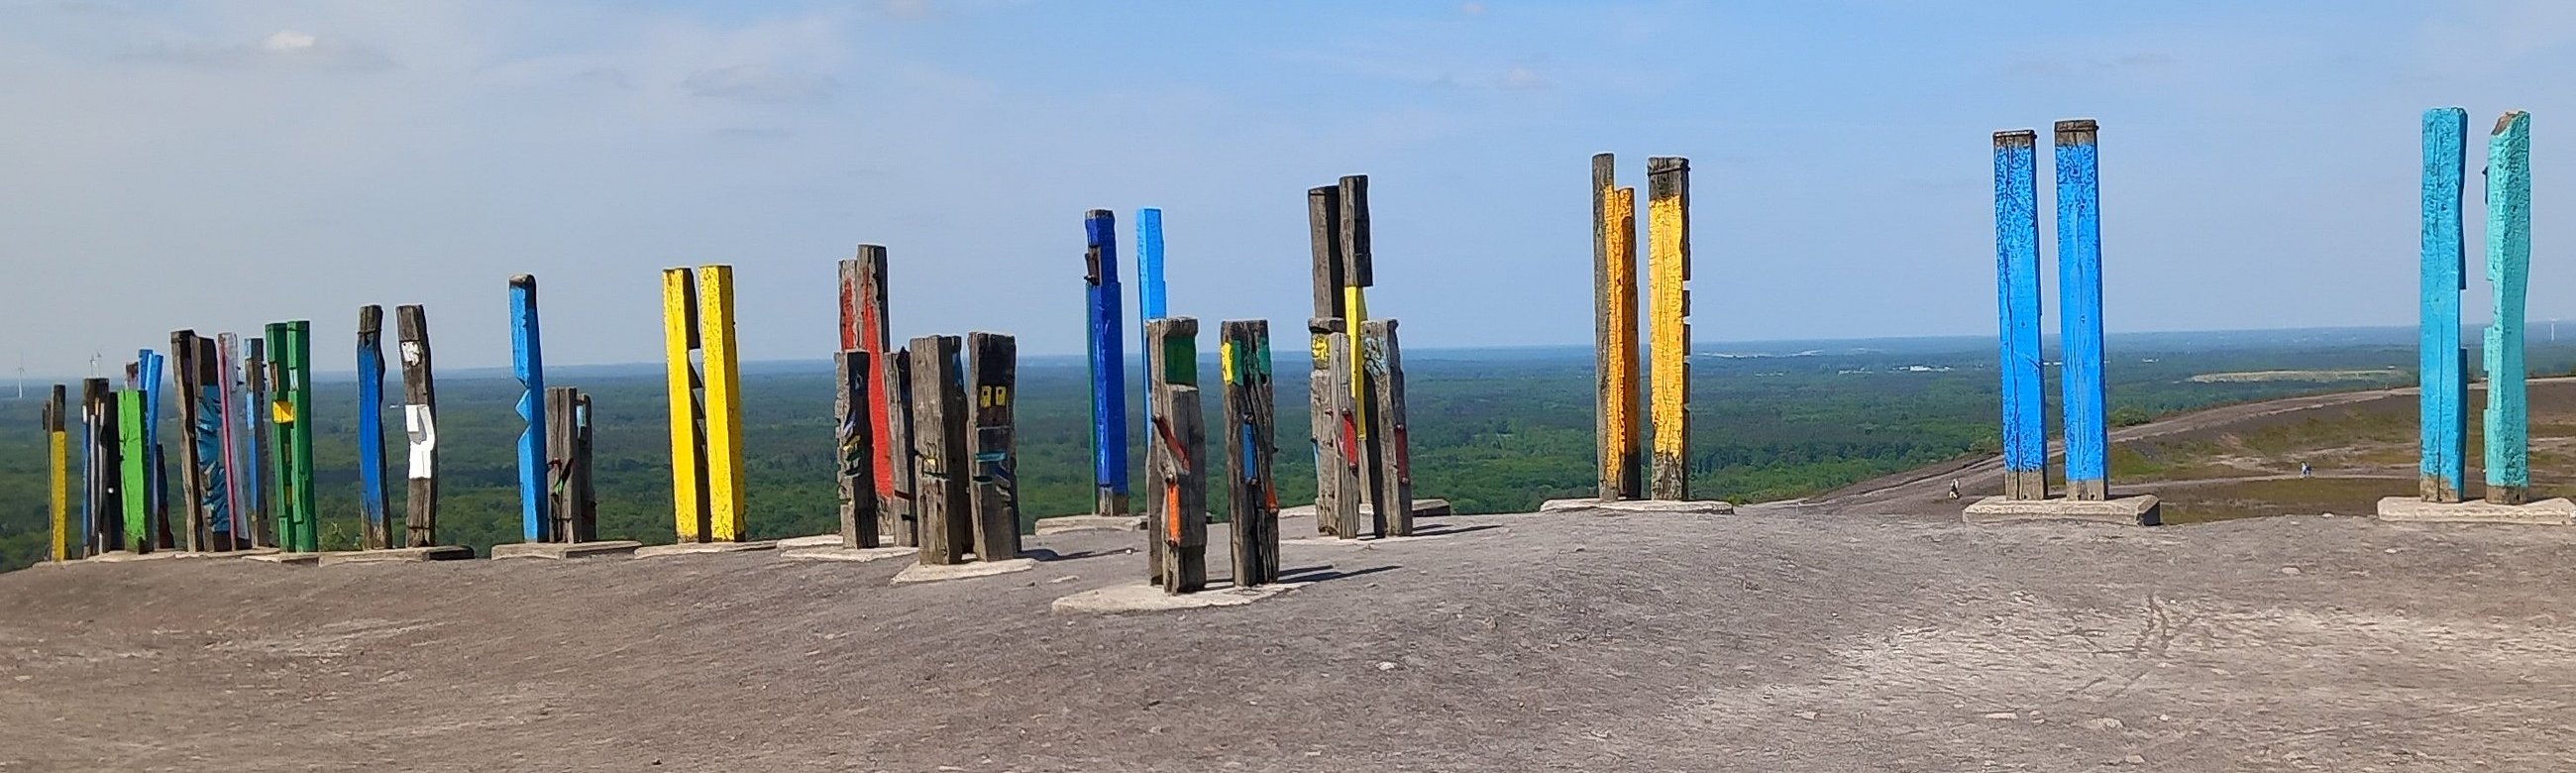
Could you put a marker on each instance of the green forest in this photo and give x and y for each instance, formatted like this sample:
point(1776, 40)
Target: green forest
point(1491, 430)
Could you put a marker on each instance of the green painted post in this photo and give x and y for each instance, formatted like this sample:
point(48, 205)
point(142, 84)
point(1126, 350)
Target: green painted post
point(298, 358)
point(138, 508)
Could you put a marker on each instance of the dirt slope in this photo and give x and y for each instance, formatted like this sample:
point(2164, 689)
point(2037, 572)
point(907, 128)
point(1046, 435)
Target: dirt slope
point(1757, 642)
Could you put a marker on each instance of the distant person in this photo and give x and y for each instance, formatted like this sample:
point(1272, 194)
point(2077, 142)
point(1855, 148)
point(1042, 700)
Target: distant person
point(1954, 488)
point(2303, 469)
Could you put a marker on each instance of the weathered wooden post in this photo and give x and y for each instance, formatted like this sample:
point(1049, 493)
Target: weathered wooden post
point(1614, 276)
point(706, 411)
point(858, 446)
point(150, 367)
point(942, 491)
point(571, 501)
point(1172, 342)
point(1385, 368)
point(104, 441)
point(259, 454)
point(1668, 262)
point(863, 329)
point(906, 511)
point(295, 390)
point(1178, 511)
point(228, 408)
point(135, 454)
point(214, 469)
point(192, 472)
point(58, 480)
point(1349, 460)
point(2508, 234)
point(1107, 345)
point(371, 427)
point(1358, 273)
point(1252, 493)
point(996, 367)
point(2441, 363)
point(527, 362)
point(1336, 492)
point(2079, 304)
point(2025, 431)
point(420, 427)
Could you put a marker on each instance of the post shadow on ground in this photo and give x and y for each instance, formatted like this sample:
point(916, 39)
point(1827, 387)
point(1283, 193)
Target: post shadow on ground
point(1326, 573)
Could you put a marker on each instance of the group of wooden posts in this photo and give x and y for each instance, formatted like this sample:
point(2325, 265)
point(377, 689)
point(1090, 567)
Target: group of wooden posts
point(1627, 471)
point(245, 446)
point(1356, 389)
point(2079, 312)
point(2444, 361)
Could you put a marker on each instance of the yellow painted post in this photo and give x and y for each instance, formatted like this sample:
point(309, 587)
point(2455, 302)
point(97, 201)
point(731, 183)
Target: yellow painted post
point(1621, 476)
point(688, 460)
point(723, 403)
point(1668, 325)
point(59, 442)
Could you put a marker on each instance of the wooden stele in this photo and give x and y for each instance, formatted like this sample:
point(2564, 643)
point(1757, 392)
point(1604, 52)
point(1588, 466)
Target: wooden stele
point(691, 508)
point(856, 439)
point(209, 450)
point(723, 381)
point(133, 455)
point(570, 498)
point(1174, 343)
point(235, 533)
point(1105, 340)
point(864, 329)
point(905, 510)
point(1252, 493)
point(1668, 324)
point(529, 365)
point(942, 491)
point(183, 355)
point(371, 428)
point(995, 462)
point(260, 454)
point(1178, 509)
point(1344, 465)
point(1324, 238)
point(420, 427)
point(104, 468)
point(1614, 277)
point(294, 409)
point(58, 477)
point(1394, 499)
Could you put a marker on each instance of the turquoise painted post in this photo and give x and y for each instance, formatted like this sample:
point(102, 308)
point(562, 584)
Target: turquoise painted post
point(2509, 272)
point(528, 363)
point(148, 366)
point(2025, 424)
point(2444, 422)
point(1108, 359)
point(371, 425)
point(2079, 304)
point(1149, 297)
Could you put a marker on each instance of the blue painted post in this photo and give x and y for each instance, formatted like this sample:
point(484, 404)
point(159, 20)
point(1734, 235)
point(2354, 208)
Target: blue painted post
point(149, 365)
point(1149, 297)
point(2442, 366)
point(2079, 304)
point(2509, 272)
point(371, 425)
point(2025, 426)
point(1108, 366)
point(528, 363)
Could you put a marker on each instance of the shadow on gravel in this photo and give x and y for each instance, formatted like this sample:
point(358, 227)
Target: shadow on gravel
point(1325, 573)
point(1043, 554)
point(1451, 531)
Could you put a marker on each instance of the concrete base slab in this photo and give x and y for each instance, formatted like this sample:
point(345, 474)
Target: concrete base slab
point(2137, 510)
point(1141, 597)
point(937, 572)
point(1337, 542)
point(1422, 508)
point(837, 553)
point(1704, 507)
point(123, 556)
point(816, 541)
point(615, 548)
point(299, 559)
point(398, 555)
point(1061, 524)
point(2546, 512)
point(694, 548)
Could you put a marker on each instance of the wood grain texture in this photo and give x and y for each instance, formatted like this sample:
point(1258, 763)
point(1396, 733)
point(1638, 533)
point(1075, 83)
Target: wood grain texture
point(993, 389)
point(691, 506)
point(2442, 364)
point(1179, 511)
point(853, 374)
point(371, 428)
point(942, 491)
point(1668, 323)
point(2508, 236)
point(527, 362)
point(420, 426)
point(864, 328)
point(1252, 493)
point(1614, 339)
point(1394, 479)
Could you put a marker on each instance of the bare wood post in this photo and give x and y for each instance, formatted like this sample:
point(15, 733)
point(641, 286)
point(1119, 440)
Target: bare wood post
point(858, 446)
point(1252, 494)
point(562, 498)
point(1324, 237)
point(1394, 498)
point(996, 460)
point(903, 508)
point(262, 452)
point(105, 467)
point(942, 491)
point(192, 480)
point(420, 427)
point(1347, 457)
point(1179, 507)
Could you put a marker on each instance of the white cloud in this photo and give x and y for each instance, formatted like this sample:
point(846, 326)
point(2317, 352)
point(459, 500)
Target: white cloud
point(288, 40)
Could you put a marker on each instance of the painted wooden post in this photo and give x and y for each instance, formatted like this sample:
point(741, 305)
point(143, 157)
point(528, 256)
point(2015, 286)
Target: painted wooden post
point(691, 506)
point(527, 362)
point(1108, 347)
point(371, 427)
point(1385, 368)
point(2508, 431)
point(105, 466)
point(228, 405)
point(943, 491)
point(852, 371)
point(2079, 311)
point(214, 474)
point(274, 415)
point(863, 329)
point(150, 365)
point(135, 455)
point(1358, 274)
point(1614, 327)
point(1349, 460)
point(1252, 492)
point(296, 361)
point(89, 472)
point(1180, 508)
point(1172, 342)
point(1324, 234)
point(1151, 301)
point(58, 481)
point(723, 376)
point(571, 500)
point(2025, 427)
point(2442, 365)
point(905, 456)
point(259, 454)
point(192, 472)
point(420, 427)
point(1668, 260)
point(996, 463)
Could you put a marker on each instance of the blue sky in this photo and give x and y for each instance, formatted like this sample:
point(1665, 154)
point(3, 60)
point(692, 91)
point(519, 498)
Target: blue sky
point(220, 165)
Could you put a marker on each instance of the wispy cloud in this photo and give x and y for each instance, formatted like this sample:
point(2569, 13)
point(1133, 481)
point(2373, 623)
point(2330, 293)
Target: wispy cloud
point(283, 48)
point(761, 84)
